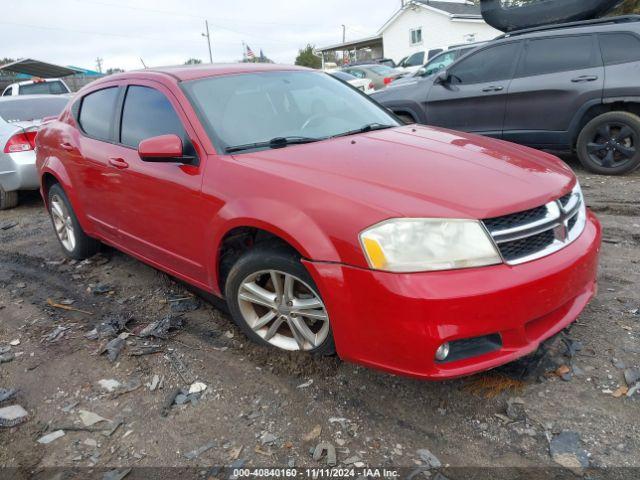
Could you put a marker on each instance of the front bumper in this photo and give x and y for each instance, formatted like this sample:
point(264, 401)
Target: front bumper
point(18, 171)
point(396, 322)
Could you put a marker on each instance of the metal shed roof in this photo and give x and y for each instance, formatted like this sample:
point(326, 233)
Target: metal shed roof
point(37, 68)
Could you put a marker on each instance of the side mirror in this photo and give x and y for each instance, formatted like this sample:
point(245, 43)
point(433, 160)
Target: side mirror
point(443, 78)
point(165, 148)
point(422, 72)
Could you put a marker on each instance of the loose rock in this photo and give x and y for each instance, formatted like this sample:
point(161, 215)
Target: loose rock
point(566, 451)
point(51, 437)
point(429, 458)
point(12, 416)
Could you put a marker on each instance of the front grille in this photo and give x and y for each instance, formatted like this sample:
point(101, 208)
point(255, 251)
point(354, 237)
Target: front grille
point(517, 219)
point(535, 233)
point(526, 246)
point(565, 200)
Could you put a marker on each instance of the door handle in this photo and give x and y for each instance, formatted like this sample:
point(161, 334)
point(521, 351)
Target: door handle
point(493, 88)
point(67, 147)
point(585, 78)
point(118, 163)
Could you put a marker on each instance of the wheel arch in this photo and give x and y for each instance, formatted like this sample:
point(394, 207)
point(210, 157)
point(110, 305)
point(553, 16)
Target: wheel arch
point(261, 221)
point(596, 108)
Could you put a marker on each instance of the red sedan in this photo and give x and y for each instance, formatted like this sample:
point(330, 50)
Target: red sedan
point(325, 224)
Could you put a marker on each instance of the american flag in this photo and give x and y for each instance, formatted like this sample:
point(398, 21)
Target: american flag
point(250, 53)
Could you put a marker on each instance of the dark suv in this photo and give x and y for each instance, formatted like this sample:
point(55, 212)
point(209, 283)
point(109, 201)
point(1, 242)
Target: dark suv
point(568, 87)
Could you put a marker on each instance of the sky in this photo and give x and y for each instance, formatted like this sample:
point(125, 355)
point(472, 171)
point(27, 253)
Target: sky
point(168, 32)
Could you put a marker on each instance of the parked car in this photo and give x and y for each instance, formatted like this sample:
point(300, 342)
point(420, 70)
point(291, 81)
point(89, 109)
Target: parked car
point(380, 61)
point(414, 62)
point(363, 84)
point(324, 223)
point(380, 75)
point(568, 87)
point(37, 86)
point(19, 121)
point(438, 63)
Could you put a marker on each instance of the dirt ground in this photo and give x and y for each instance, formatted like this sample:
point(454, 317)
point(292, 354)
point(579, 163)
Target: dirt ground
point(266, 409)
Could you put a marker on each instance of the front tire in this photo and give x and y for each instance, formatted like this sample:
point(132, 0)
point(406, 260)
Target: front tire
point(8, 199)
point(74, 242)
point(275, 302)
point(610, 144)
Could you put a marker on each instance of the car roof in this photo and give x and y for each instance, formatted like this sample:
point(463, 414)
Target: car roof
point(39, 80)
point(24, 98)
point(194, 72)
point(625, 22)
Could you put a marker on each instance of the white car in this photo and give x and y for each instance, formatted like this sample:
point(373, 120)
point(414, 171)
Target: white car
point(363, 84)
point(35, 86)
point(20, 118)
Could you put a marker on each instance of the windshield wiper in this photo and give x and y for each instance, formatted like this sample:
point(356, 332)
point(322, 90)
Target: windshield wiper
point(278, 142)
point(370, 127)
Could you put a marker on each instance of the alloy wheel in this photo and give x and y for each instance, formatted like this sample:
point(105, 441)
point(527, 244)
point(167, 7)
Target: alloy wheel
point(613, 145)
point(283, 310)
point(63, 223)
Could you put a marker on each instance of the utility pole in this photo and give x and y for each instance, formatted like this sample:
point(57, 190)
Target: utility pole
point(344, 33)
point(208, 37)
point(99, 64)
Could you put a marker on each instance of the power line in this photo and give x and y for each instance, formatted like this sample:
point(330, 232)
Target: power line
point(188, 15)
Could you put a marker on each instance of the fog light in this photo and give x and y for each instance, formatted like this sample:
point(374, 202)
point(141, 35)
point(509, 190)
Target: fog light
point(443, 352)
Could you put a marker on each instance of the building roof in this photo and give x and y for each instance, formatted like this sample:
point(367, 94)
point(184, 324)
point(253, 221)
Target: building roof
point(353, 44)
point(453, 8)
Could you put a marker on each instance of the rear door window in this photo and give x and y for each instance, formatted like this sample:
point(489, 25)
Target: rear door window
point(97, 112)
point(489, 65)
point(559, 54)
point(619, 48)
point(148, 113)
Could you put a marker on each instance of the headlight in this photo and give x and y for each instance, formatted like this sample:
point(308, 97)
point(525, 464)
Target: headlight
point(425, 244)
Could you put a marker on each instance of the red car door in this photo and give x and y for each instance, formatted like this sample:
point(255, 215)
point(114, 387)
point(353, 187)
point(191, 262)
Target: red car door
point(159, 215)
point(86, 152)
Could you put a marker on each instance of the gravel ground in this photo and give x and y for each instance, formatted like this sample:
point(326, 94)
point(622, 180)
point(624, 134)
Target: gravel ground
point(565, 407)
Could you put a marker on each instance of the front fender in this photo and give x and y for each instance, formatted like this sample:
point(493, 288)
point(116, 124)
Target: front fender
point(294, 227)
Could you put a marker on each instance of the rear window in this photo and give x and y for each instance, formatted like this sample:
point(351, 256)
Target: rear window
point(382, 70)
point(619, 48)
point(97, 112)
point(53, 88)
point(345, 77)
point(559, 54)
point(23, 110)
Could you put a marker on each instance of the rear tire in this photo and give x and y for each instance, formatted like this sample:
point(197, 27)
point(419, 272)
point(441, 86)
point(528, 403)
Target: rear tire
point(8, 199)
point(294, 321)
point(74, 242)
point(610, 144)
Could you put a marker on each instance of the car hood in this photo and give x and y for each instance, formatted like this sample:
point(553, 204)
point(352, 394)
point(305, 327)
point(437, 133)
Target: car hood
point(418, 171)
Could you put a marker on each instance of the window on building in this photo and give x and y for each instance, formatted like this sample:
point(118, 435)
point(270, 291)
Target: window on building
point(416, 36)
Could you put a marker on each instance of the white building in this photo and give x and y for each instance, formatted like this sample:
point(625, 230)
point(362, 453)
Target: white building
point(421, 26)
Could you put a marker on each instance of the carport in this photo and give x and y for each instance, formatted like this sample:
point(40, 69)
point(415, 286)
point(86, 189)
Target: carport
point(37, 68)
point(362, 49)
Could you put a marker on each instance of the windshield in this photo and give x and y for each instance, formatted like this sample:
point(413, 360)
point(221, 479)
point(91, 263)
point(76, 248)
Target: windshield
point(23, 110)
point(259, 107)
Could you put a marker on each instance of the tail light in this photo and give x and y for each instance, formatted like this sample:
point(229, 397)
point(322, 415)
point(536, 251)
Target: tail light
point(388, 80)
point(21, 142)
point(372, 86)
